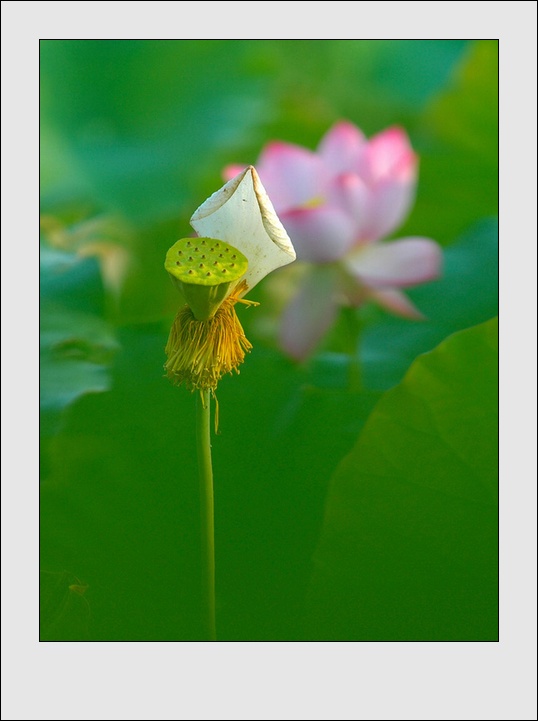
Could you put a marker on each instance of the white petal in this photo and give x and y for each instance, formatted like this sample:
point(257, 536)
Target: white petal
point(241, 214)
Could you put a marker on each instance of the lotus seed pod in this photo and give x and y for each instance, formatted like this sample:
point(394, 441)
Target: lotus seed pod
point(205, 271)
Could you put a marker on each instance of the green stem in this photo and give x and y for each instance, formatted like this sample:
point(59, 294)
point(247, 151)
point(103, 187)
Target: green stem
point(355, 373)
point(353, 326)
point(203, 445)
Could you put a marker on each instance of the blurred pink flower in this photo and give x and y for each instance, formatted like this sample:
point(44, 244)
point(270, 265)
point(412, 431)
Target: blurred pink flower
point(337, 204)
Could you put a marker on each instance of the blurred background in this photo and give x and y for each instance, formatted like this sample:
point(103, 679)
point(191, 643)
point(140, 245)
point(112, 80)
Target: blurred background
point(344, 511)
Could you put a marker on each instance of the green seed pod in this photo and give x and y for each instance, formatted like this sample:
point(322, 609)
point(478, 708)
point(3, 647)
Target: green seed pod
point(205, 270)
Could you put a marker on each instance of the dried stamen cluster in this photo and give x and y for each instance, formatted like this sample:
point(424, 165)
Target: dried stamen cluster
point(200, 352)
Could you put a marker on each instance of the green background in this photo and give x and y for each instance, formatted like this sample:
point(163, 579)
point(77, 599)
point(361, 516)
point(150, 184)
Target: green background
point(344, 511)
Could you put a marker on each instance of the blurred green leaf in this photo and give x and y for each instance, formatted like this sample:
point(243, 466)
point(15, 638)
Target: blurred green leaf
point(457, 139)
point(76, 343)
point(409, 545)
point(140, 119)
point(67, 279)
point(465, 295)
point(374, 83)
point(140, 124)
point(120, 504)
point(64, 611)
point(76, 349)
point(284, 430)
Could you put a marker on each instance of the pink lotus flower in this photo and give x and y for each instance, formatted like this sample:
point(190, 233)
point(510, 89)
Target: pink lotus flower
point(337, 204)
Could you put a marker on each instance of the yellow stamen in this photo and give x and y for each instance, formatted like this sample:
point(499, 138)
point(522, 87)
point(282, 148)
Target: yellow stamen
point(313, 202)
point(200, 352)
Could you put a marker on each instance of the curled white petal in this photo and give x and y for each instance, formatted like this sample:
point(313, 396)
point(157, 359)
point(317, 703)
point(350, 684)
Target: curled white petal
point(241, 214)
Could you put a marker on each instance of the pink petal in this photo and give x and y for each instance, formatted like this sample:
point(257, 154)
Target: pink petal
point(310, 314)
point(319, 235)
point(340, 147)
point(391, 201)
point(352, 195)
point(395, 302)
point(292, 176)
point(230, 171)
point(399, 264)
point(389, 155)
